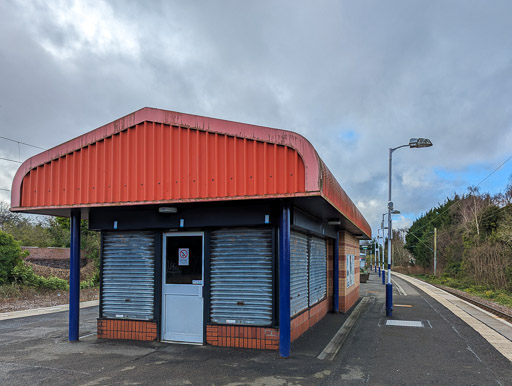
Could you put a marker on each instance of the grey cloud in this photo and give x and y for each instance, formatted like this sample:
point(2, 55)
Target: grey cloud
point(385, 70)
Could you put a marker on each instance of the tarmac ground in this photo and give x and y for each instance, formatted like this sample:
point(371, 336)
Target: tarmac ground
point(444, 350)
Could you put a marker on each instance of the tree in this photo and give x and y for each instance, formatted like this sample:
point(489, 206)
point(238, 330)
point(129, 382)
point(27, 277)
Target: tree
point(6, 216)
point(10, 255)
point(401, 256)
point(419, 239)
point(474, 242)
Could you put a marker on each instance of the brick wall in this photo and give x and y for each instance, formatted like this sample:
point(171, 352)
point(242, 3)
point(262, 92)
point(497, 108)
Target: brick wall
point(127, 329)
point(51, 257)
point(307, 319)
point(242, 336)
point(348, 245)
point(262, 337)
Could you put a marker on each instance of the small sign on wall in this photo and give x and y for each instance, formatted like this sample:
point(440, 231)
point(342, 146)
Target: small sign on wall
point(183, 254)
point(350, 270)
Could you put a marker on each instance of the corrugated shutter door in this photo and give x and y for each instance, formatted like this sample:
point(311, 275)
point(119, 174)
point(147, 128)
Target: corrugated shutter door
point(317, 269)
point(241, 276)
point(298, 272)
point(127, 289)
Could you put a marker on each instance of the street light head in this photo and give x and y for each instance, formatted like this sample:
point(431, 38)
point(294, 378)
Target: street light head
point(419, 142)
point(395, 212)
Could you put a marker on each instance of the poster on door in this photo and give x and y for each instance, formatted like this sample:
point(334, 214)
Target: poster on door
point(183, 254)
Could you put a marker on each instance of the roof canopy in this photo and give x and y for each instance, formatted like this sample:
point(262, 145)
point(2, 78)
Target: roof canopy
point(156, 156)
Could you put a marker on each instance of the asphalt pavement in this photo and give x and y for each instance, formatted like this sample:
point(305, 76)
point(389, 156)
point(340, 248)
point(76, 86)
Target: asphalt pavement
point(444, 350)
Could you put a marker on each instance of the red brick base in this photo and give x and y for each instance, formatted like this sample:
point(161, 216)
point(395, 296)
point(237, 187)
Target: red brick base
point(304, 321)
point(346, 302)
point(126, 329)
point(242, 336)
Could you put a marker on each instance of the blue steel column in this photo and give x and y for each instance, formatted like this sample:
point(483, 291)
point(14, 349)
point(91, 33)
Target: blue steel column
point(74, 277)
point(284, 281)
point(336, 274)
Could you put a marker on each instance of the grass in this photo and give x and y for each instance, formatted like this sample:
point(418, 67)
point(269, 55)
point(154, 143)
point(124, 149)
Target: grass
point(498, 296)
point(9, 291)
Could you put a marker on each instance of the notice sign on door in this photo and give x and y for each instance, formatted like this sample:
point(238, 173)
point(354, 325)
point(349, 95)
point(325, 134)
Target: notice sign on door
point(183, 253)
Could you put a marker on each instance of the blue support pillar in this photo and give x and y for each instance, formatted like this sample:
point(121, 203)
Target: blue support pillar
point(284, 282)
point(74, 277)
point(336, 275)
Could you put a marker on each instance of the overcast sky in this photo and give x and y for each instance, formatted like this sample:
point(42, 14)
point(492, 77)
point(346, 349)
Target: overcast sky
point(354, 77)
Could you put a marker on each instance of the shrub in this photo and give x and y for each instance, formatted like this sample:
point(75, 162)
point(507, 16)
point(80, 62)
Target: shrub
point(90, 283)
point(24, 274)
point(10, 255)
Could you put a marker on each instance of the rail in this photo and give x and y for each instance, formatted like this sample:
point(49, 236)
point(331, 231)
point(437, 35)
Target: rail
point(487, 306)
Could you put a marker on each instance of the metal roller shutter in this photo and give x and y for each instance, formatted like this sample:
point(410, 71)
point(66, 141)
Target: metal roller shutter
point(317, 269)
point(241, 276)
point(298, 272)
point(127, 289)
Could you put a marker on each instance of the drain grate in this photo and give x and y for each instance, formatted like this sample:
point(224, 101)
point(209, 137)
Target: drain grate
point(404, 323)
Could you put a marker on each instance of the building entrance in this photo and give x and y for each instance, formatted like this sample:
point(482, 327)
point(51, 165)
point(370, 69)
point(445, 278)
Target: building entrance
point(182, 287)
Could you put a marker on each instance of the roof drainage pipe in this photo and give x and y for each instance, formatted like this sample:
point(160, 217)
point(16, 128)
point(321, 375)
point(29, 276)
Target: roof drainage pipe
point(74, 277)
point(284, 281)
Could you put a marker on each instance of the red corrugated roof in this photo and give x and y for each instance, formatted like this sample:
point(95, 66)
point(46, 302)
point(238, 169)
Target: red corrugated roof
point(158, 156)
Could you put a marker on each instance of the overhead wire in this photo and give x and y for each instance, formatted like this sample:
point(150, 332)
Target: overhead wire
point(22, 143)
point(457, 202)
point(11, 160)
point(19, 153)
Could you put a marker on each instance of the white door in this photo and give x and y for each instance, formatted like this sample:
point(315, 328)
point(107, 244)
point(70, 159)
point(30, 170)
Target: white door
point(182, 287)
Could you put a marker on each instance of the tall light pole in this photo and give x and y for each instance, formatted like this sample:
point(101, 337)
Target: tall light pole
point(384, 240)
point(413, 143)
point(381, 254)
point(377, 251)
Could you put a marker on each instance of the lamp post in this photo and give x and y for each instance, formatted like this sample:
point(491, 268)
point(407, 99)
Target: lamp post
point(383, 248)
point(413, 143)
point(395, 211)
point(380, 249)
point(377, 252)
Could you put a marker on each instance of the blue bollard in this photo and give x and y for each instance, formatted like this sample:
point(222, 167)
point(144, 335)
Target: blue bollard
point(389, 299)
point(383, 277)
point(379, 271)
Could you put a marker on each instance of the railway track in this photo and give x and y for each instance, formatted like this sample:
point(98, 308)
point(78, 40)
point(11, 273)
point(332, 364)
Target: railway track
point(479, 303)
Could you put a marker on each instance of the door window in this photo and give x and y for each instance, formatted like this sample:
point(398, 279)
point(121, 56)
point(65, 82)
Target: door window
point(184, 263)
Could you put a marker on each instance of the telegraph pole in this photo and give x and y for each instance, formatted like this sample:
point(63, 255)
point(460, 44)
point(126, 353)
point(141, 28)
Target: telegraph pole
point(435, 251)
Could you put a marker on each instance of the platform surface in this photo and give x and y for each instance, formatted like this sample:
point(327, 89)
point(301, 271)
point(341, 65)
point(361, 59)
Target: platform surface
point(426, 343)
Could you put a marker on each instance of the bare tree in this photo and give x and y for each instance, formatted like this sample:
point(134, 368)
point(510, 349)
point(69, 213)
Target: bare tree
point(401, 256)
point(6, 216)
point(471, 207)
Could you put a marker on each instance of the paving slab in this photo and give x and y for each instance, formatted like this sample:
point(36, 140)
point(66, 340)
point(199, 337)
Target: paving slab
point(446, 350)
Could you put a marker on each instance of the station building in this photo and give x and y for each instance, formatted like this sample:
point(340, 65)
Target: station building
point(212, 231)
